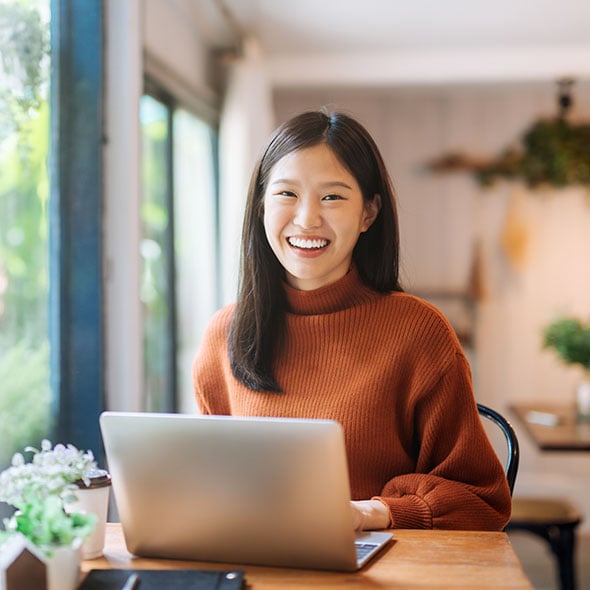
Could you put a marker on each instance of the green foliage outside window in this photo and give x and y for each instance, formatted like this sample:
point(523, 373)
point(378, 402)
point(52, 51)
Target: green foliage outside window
point(155, 245)
point(24, 46)
point(24, 194)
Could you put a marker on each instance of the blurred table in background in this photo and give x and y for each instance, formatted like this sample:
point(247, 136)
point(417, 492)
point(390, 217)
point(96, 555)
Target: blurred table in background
point(552, 426)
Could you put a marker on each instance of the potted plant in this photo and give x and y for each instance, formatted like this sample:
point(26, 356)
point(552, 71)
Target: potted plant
point(570, 338)
point(40, 490)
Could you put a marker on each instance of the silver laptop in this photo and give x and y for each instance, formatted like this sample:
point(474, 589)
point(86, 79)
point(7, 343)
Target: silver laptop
point(266, 491)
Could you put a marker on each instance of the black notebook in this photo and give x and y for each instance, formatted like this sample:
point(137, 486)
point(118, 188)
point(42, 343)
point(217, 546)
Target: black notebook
point(187, 579)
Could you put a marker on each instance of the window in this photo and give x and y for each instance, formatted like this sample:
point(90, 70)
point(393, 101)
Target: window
point(195, 242)
point(25, 393)
point(157, 260)
point(50, 198)
point(178, 247)
point(51, 215)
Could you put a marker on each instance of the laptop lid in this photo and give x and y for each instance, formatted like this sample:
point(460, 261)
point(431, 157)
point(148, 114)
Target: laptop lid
point(267, 491)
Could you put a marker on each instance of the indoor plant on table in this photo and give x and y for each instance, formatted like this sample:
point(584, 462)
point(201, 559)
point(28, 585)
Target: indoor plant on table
point(571, 340)
point(40, 491)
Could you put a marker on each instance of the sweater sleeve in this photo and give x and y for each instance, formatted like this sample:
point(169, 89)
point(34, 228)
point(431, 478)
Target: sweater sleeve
point(459, 482)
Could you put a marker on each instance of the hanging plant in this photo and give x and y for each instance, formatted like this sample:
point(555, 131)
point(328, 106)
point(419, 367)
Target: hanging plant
point(552, 152)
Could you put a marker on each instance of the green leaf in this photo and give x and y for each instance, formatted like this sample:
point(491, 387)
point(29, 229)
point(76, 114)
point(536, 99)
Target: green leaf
point(570, 338)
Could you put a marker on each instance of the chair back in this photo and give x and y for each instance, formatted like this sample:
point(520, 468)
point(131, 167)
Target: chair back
point(512, 455)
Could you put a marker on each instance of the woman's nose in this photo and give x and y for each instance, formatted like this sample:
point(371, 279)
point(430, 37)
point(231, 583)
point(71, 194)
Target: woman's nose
point(308, 215)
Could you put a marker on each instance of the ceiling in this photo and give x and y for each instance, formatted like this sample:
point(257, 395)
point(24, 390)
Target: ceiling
point(384, 42)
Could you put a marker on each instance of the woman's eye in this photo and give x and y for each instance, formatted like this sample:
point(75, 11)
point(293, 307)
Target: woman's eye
point(332, 198)
point(286, 194)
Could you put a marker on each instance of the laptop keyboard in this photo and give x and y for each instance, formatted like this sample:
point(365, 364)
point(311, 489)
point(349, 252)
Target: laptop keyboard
point(363, 549)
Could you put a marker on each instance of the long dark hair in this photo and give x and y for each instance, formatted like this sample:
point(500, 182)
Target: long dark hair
point(258, 323)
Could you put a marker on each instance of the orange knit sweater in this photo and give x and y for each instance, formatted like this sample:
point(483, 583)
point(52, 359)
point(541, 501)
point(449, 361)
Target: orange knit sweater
point(390, 369)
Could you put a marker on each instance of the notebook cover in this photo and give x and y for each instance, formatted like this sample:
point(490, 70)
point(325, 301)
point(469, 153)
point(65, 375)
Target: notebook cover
point(189, 579)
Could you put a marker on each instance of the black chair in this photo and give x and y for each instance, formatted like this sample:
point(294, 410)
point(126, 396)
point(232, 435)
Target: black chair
point(553, 519)
point(512, 448)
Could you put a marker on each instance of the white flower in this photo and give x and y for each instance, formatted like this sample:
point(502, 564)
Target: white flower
point(17, 460)
point(52, 471)
point(40, 489)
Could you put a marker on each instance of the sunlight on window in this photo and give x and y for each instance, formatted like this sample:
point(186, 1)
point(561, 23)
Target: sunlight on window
point(155, 261)
point(24, 253)
point(178, 249)
point(195, 242)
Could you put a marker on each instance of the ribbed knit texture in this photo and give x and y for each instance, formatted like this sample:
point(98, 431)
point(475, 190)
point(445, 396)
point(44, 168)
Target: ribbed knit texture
point(390, 369)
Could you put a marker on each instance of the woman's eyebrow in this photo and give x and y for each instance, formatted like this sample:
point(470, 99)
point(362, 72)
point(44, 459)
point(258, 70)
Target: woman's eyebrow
point(324, 185)
point(335, 183)
point(283, 181)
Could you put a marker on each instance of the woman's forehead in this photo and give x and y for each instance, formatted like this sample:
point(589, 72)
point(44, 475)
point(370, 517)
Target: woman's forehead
point(319, 160)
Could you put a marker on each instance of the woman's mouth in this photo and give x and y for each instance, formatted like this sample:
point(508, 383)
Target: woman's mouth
point(308, 244)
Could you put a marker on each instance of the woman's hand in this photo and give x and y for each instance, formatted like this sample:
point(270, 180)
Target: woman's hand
point(369, 515)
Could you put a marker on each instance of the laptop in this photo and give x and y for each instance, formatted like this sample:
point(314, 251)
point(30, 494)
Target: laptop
point(264, 491)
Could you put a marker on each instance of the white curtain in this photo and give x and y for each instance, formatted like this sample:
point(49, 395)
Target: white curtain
point(247, 119)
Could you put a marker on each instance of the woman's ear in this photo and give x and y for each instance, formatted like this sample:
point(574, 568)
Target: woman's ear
point(372, 209)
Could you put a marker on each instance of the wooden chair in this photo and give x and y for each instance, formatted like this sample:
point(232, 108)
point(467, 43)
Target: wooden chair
point(555, 520)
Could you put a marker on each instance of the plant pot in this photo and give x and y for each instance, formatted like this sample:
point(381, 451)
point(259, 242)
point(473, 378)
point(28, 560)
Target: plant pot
point(583, 401)
point(25, 565)
point(63, 567)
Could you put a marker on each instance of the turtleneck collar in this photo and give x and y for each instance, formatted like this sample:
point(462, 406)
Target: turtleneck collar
point(342, 294)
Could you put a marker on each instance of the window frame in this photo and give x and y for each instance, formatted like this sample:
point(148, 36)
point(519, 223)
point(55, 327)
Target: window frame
point(75, 235)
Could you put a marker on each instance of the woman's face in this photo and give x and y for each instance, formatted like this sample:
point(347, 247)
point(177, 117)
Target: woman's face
point(313, 215)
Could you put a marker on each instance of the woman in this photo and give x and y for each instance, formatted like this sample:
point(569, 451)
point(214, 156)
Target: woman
point(322, 329)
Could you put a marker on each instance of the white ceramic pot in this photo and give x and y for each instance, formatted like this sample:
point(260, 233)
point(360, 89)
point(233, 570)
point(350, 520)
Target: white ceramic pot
point(63, 567)
point(583, 401)
point(56, 567)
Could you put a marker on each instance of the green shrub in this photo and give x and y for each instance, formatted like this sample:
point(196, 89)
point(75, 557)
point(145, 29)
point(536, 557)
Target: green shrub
point(24, 398)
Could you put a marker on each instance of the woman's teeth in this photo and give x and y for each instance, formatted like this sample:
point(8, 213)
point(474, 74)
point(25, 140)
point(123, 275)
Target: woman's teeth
point(307, 244)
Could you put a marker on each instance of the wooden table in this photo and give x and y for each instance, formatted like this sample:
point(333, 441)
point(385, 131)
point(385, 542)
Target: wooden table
point(416, 559)
point(567, 434)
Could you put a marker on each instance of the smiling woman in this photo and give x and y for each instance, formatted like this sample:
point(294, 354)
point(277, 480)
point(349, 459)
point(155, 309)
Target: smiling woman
point(322, 329)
